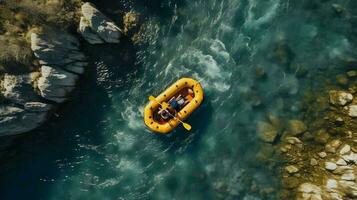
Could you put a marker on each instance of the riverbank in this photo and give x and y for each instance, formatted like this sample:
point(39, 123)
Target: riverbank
point(318, 154)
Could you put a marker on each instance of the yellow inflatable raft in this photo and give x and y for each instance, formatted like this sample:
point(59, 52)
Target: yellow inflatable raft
point(186, 88)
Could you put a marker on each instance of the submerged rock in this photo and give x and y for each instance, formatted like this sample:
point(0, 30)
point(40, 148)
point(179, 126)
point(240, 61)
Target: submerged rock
point(96, 28)
point(340, 97)
point(322, 136)
point(267, 132)
point(291, 169)
point(352, 73)
point(131, 22)
point(338, 8)
point(296, 127)
point(342, 79)
point(282, 53)
point(61, 61)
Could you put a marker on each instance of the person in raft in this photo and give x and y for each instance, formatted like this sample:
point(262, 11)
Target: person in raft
point(176, 103)
point(189, 97)
point(164, 114)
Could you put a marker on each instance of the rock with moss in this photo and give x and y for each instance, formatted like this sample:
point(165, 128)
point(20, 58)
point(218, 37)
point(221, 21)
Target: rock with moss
point(96, 28)
point(131, 22)
point(296, 127)
point(322, 136)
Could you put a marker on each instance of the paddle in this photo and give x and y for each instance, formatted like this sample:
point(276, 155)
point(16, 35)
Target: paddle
point(164, 106)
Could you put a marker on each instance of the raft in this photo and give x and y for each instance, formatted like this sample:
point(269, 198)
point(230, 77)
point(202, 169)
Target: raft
point(180, 87)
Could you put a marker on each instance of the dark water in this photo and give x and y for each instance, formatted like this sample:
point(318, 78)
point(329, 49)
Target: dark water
point(252, 57)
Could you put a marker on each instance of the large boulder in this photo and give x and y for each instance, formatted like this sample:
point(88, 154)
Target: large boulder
point(96, 28)
point(22, 109)
point(61, 62)
point(296, 127)
point(267, 132)
point(55, 83)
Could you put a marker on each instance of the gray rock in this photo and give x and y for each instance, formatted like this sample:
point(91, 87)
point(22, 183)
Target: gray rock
point(15, 120)
point(55, 84)
point(331, 184)
point(345, 149)
point(313, 162)
point(340, 97)
point(330, 166)
point(342, 169)
point(296, 127)
point(291, 169)
point(322, 154)
point(349, 176)
point(58, 49)
point(352, 157)
point(95, 23)
point(61, 62)
point(352, 110)
point(341, 162)
point(23, 110)
point(332, 146)
point(87, 33)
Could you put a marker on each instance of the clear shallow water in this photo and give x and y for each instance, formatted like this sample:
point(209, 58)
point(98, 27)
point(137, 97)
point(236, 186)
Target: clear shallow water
point(99, 147)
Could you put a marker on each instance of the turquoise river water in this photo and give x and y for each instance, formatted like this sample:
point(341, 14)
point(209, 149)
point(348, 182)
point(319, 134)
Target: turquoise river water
point(252, 58)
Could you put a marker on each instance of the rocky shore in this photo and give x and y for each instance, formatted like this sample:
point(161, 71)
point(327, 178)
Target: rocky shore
point(27, 99)
point(318, 154)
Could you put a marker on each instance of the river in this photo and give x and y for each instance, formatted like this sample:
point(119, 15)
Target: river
point(253, 59)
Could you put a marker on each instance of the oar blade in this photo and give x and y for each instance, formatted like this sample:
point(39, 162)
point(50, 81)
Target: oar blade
point(187, 126)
